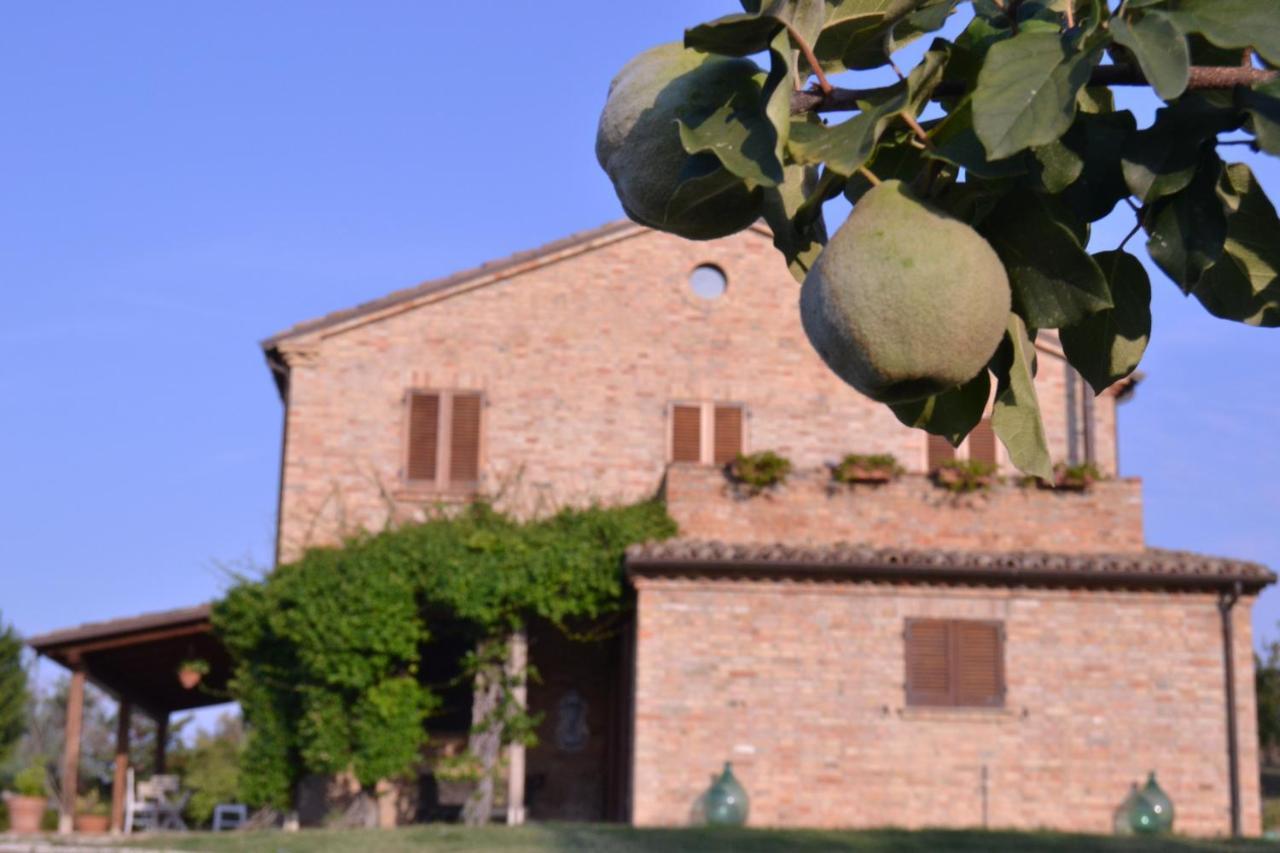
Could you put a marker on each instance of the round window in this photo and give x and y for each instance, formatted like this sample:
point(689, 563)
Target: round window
point(708, 281)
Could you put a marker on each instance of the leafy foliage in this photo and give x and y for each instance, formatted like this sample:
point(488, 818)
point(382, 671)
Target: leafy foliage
point(327, 647)
point(759, 471)
point(1028, 149)
point(210, 768)
point(965, 475)
point(13, 691)
point(859, 468)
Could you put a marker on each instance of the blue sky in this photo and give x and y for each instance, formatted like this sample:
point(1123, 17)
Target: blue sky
point(181, 180)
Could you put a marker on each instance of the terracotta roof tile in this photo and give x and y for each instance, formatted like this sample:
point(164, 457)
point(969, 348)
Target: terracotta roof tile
point(1151, 567)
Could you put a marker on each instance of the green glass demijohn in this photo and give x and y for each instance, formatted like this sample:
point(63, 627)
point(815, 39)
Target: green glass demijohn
point(1142, 816)
point(726, 802)
point(1160, 804)
point(1123, 824)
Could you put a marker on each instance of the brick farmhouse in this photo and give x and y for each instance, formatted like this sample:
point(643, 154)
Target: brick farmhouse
point(865, 655)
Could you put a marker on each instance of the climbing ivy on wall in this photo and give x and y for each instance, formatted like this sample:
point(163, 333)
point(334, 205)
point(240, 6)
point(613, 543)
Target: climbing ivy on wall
point(327, 647)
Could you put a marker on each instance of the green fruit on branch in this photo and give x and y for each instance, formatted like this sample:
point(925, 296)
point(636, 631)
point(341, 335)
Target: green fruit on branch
point(638, 142)
point(905, 301)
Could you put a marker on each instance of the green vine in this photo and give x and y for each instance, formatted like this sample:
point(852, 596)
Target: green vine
point(326, 648)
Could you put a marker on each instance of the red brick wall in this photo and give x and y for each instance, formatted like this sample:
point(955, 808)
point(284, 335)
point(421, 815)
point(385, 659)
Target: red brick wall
point(911, 512)
point(579, 360)
point(801, 686)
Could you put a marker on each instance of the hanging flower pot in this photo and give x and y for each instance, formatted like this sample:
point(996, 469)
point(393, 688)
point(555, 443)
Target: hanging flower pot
point(726, 801)
point(191, 671)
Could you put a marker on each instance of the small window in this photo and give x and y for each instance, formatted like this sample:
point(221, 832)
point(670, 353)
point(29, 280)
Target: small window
point(708, 282)
point(954, 663)
point(707, 433)
point(982, 443)
point(940, 450)
point(443, 440)
point(980, 446)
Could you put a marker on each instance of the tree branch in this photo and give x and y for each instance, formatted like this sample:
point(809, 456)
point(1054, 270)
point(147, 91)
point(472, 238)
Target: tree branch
point(1202, 77)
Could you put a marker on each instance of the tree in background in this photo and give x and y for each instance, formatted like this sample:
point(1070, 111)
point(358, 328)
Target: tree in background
point(14, 696)
point(974, 180)
point(1267, 686)
point(210, 768)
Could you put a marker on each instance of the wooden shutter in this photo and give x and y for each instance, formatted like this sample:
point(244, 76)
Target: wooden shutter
point(464, 440)
point(728, 435)
point(940, 450)
point(928, 645)
point(424, 436)
point(955, 662)
point(686, 434)
point(982, 443)
point(979, 663)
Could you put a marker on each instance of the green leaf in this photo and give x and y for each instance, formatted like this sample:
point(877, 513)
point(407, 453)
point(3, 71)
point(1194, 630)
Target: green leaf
point(751, 32)
point(1162, 159)
point(855, 30)
point(1232, 23)
point(738, 133)
point(1026, 92)
point(956, 142)
point(705, 181)
point(1245, 284)
point(1055, 282)
point(1015, 416)
point(1107, 346)
point(952, 414)
point(1262, 102)
point(1099, 140)
point(1187, 230)
point(1161, 50)
point(848, 145)
point(798, 231)
point(895, 158)
point(1058, 165)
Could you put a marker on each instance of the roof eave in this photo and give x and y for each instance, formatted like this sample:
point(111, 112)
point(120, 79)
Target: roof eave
point(906, 572)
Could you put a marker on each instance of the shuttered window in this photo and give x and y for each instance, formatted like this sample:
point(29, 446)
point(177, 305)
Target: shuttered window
point(686, 434)
point(707, 433)
point(728, 434)
point(443, 440)
point(982, 443)
point(424, 436)
point(940, 450)
point(954, 663)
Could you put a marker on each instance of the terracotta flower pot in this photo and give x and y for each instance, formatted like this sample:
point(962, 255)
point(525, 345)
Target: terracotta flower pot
point(867, 475)
point(189, 678)
point(92, 824)
point(25, 814)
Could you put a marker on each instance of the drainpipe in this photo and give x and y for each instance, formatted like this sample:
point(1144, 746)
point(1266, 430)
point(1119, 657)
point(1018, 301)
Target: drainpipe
point(1226, 601)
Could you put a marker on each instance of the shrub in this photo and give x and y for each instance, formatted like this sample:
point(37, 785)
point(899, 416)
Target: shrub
point(965, 475)
point(760, 471)
point(864, 468)
point(31, 782)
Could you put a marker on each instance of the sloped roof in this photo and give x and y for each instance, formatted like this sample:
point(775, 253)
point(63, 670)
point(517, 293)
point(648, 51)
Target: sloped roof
point(91, 631)
point(1152, 567)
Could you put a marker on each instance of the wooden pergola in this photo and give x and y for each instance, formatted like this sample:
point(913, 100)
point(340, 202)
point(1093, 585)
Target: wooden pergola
point(135, 660)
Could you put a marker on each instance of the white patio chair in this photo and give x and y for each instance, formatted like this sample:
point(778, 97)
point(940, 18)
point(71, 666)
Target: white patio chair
point(165, 789)
point(139, 805)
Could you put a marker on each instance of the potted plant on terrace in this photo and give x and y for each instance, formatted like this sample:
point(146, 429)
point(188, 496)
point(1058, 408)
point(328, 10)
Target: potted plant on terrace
point(1075, 477)
point(93, 816)
point(965, 475)
point(191, 671)
point(26, 808)
point(758, 471)
point(867, 468)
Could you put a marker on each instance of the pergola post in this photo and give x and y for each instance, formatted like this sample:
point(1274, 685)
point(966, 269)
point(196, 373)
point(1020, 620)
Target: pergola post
point(162, 738)
point(121, 778)
point(517, 667)
point(71, 749)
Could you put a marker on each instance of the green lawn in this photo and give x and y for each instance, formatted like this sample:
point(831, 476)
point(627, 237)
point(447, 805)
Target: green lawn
point(549, 838)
